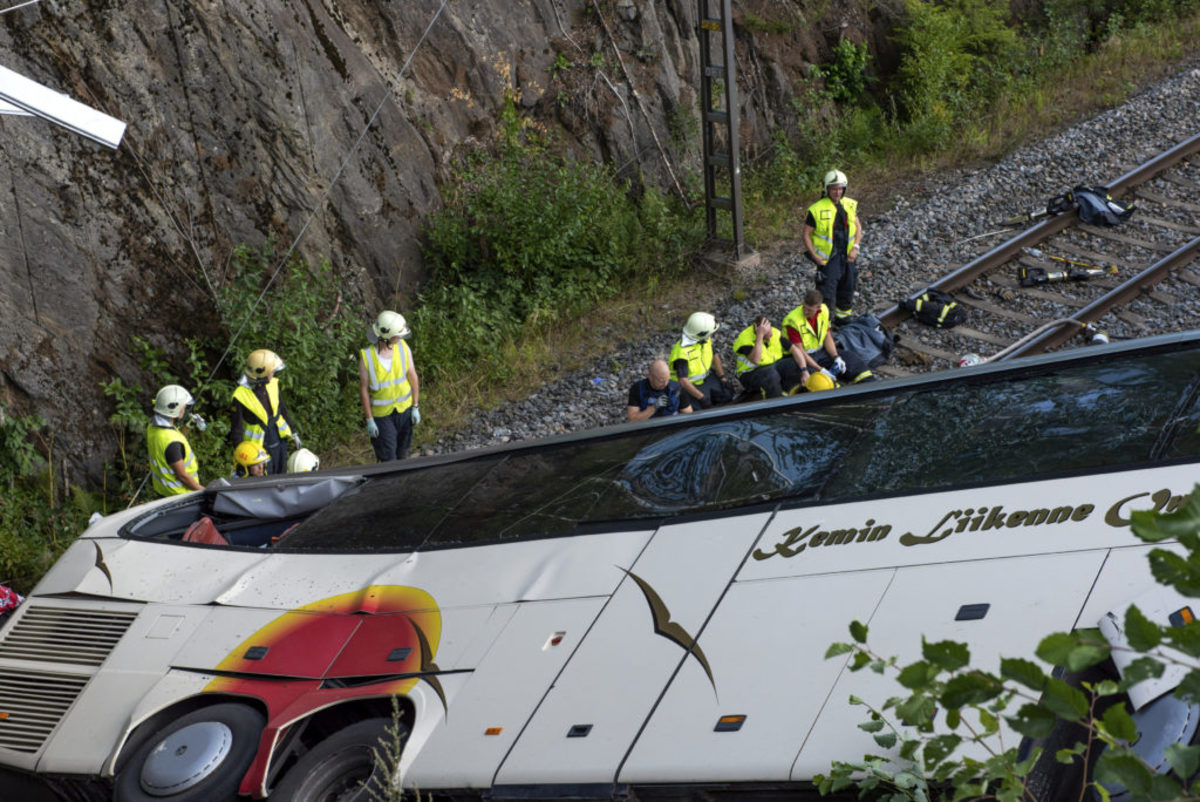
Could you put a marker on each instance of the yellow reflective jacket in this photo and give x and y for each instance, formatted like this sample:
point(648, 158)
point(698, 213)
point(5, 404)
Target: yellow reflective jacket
point(390, 389)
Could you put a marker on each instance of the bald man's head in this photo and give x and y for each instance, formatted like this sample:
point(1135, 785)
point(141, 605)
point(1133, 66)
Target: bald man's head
point(659, 375)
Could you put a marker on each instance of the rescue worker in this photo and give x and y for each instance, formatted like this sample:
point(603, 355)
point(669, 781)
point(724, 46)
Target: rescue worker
point(697, 367)
point(812, 345)
point(760, 363)
point(258, 412)
point(656, 396)
point(303, 461)
point(173, 465)
point(832, 233)
point(250, 459)
point(389, 387)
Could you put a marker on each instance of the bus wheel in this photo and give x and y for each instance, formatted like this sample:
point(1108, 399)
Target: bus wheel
point(344, 766)
point(201, 757)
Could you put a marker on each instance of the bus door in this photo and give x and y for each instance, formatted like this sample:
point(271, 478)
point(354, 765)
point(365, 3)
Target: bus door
point(644, 635)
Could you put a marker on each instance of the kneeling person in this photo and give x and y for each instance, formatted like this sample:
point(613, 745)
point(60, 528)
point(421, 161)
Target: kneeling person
point(760, 363)
point(656, 396)
point(696, 366)
point(812, 345)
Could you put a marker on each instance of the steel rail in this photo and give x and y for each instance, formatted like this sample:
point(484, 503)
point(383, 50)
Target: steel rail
point(1118, 296)
point(894, 315)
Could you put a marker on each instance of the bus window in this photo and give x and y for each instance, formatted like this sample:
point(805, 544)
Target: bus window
point(1078, 418)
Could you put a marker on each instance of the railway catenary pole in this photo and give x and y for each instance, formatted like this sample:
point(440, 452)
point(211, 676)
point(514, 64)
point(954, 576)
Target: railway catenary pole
point(719, 124)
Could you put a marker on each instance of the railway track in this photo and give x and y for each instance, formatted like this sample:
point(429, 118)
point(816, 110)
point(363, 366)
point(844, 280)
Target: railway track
point(1152, 258)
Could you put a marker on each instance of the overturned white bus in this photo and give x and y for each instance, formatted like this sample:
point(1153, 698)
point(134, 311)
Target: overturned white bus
point(631, 612)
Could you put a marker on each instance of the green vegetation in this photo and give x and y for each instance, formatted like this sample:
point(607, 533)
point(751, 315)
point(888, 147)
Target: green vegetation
point(530, 239)
point(1080, 719)
point(39, 517)
point(970, 83)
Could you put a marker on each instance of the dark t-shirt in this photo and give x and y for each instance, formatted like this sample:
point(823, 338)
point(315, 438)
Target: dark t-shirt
point(642, 395)
point(175, 452)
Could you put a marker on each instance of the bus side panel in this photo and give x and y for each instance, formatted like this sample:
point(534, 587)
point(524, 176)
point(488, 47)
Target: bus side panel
point(1027, 598)
point(592, 713)
point(486, 715)
point(465, 576)
point(766, 644)
point(1125, 576)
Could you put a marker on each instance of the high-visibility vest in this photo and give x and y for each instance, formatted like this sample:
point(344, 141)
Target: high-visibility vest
point(812, 340)
point(390, 389)
point(165, 480)
point(824, 213)
point(772, 350)
point(256, 429)
point(699, 357)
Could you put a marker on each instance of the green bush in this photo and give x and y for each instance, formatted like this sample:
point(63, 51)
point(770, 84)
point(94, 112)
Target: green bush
point(530, 236)
point(956, 58)
point(846, 76)
point(36, 521)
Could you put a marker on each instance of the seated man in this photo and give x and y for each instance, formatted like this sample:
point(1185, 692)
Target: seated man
point(696, 364)
point(812, 345)
point(656, 396)
point(760, 362)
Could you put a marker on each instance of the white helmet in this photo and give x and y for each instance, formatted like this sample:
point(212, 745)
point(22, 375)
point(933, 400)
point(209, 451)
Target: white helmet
point(261, 363)
point(835, 178)
point(970, 359)
point(172, 400)
point(302, 461)
point(390, 324)
point(700, 326)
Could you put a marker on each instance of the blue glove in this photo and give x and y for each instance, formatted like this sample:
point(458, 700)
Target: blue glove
point(416, 415)
point(827, 373)
point(296, 442)
point(372, 428)
point(839, 365)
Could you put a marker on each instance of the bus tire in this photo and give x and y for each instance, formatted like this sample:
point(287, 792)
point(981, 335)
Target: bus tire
point(200, 757)
point(341, 763)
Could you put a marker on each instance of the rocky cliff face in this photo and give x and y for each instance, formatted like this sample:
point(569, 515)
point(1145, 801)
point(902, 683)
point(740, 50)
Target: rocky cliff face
point(247, 120)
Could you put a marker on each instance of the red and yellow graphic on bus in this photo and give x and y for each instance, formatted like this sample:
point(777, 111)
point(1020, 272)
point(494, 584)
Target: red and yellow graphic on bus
point(389, 632)
point(378, 641)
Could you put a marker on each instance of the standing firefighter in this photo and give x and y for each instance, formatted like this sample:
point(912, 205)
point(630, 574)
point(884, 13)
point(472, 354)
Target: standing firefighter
point(832, 232)
point(258, 413)
point(173, 465)
point(389, 386)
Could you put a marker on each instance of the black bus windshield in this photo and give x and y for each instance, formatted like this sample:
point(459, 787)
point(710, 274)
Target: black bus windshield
point(1084, 416)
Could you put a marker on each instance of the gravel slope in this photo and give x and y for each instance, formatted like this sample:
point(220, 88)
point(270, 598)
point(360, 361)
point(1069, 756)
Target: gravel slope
point(924, 234)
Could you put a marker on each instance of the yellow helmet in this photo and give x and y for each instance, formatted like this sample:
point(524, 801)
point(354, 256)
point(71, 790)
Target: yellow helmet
point(261, 363)
point(818, 381)
point(250, 453)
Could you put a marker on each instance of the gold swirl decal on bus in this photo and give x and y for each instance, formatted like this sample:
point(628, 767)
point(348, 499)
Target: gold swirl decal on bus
point(103, 566)
point(672, 631)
